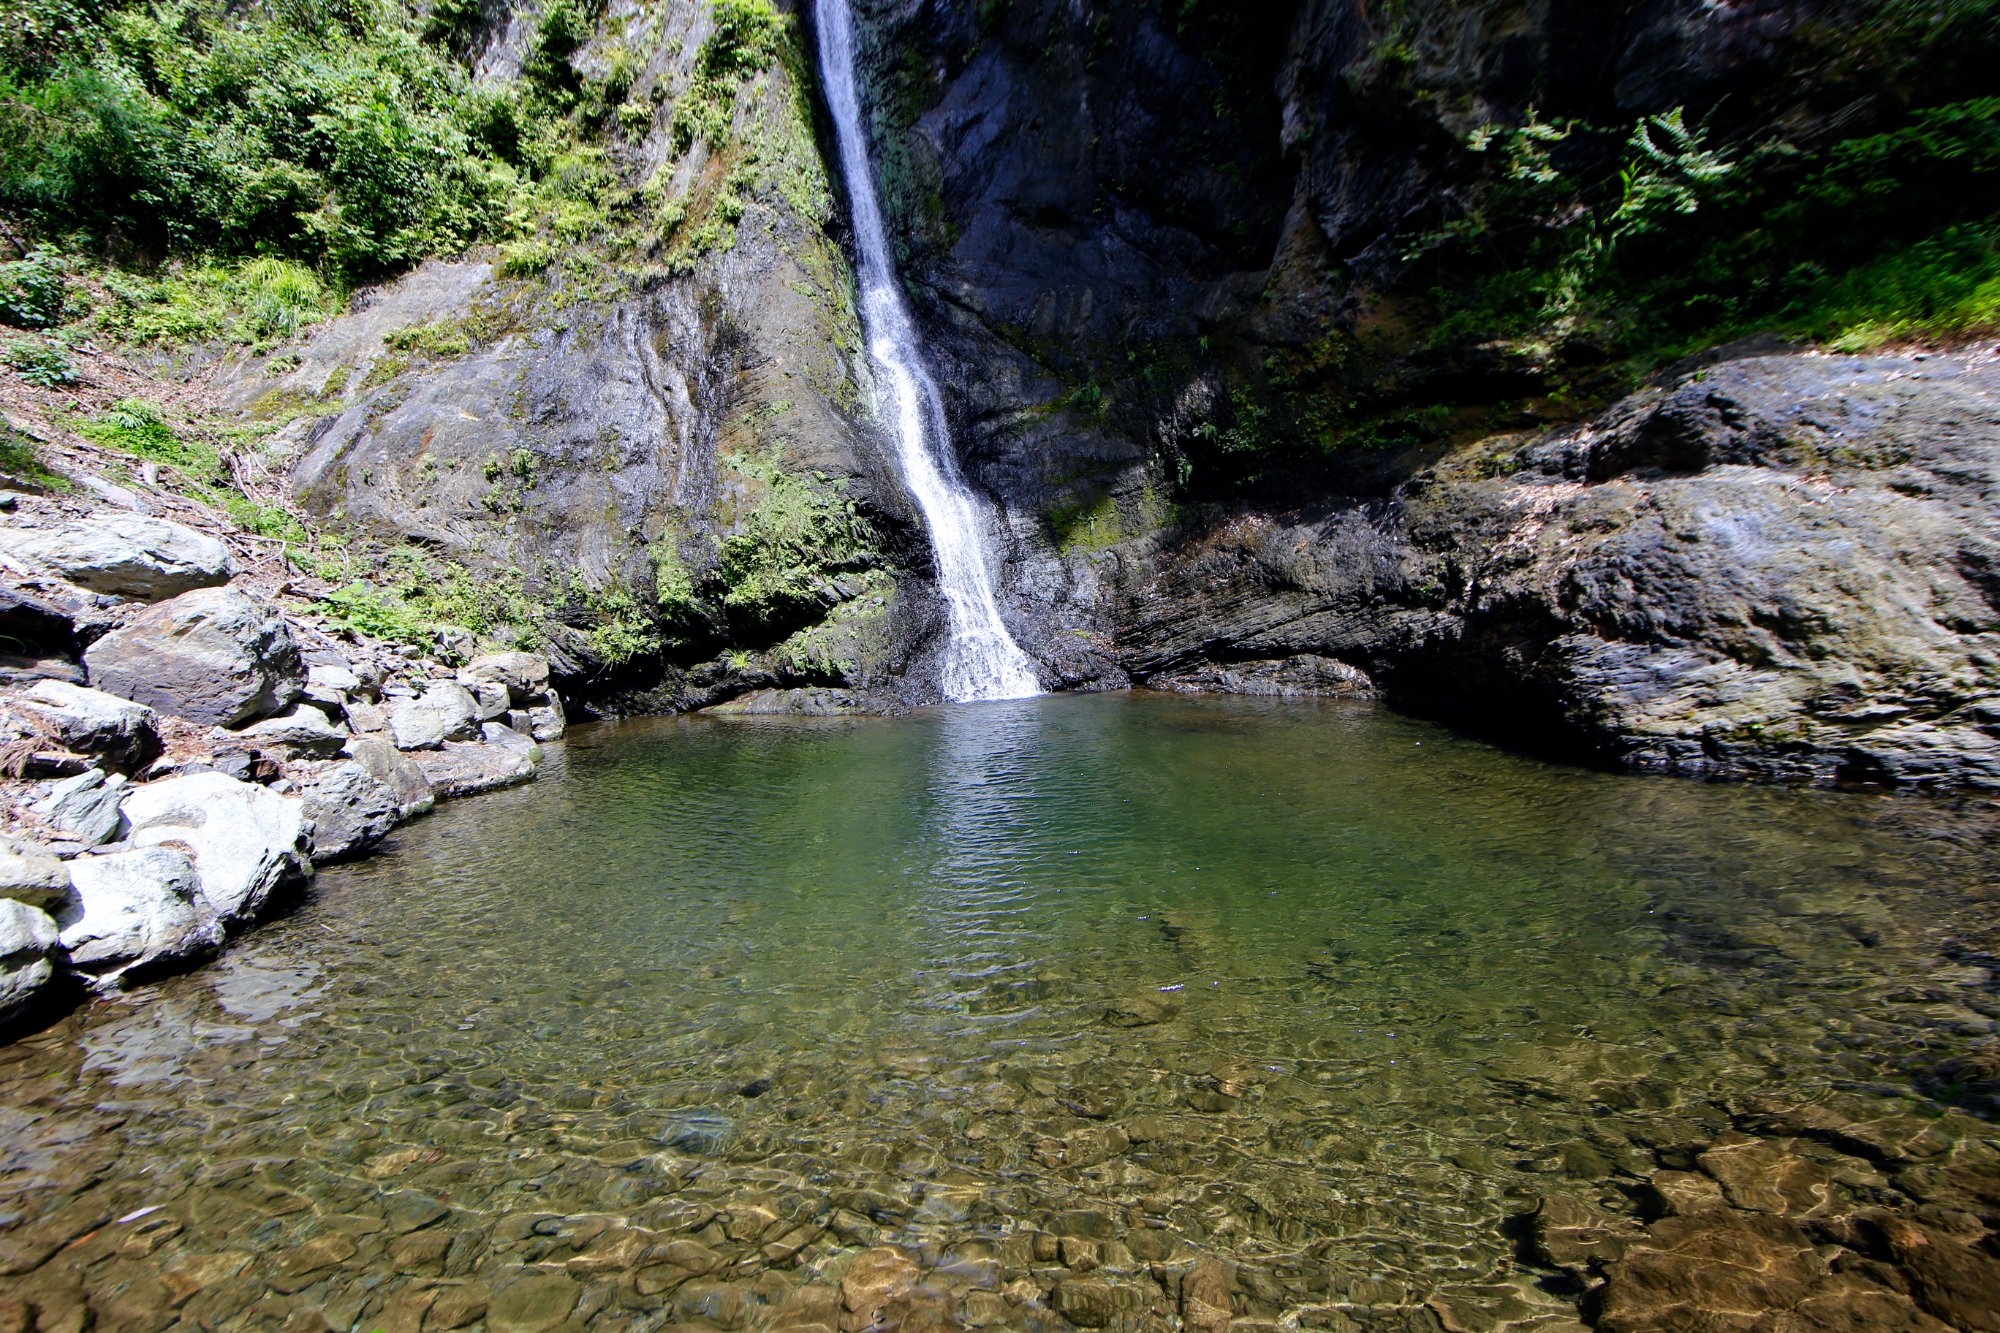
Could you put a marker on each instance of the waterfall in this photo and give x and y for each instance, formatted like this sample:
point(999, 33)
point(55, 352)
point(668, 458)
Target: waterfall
point(981, 659)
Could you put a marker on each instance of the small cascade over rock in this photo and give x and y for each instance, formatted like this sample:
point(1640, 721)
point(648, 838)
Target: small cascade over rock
point(981, 659)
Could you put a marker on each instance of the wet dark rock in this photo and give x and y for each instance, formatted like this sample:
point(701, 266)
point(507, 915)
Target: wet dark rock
point(1576, 1236)
point(1657, 618)
point(35, 627)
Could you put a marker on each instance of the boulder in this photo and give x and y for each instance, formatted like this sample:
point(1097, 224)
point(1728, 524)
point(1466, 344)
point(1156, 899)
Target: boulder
point(444, 711)
point(136, 909)
point(27, 941)
point(211, 656)
point(457, 769)
point(350, 811)
point(32, 876)
point(86, 806)
point(526, 675)
point(303, 730)
point(490, 698)
point(396, 771)
point(125, 735)
point(246, 840)
point(545, 722)
point(128, 555)
point(495, 733)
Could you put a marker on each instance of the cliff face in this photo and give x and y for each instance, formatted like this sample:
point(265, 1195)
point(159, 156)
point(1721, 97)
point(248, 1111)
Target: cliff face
point(1135, 228)
point(658, 435)
point(1212, 296)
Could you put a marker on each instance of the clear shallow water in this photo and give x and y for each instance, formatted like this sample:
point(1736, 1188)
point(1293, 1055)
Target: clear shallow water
point(1308, 987)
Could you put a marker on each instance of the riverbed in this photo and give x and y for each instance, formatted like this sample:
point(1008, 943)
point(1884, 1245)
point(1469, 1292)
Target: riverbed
point(1055, 1001)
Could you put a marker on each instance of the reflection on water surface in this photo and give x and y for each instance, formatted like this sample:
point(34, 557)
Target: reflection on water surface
point(1100, 1010)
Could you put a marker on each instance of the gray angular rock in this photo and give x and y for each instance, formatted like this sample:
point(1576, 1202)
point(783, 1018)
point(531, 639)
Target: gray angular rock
point(136, 909)
point(86, 806)
point(32, 876)
point(350, 811)
point(123, 734)
point(128, 555)
point(211, 656)
point(545, 722)
point(27, 941)
point(302, 730)
point(526, 675)
point(460, 769)
point(246, 840)
point(489, 697)
point(396, 771)
point(444, 711)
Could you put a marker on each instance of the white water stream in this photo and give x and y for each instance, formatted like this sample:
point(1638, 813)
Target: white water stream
point(981, 659)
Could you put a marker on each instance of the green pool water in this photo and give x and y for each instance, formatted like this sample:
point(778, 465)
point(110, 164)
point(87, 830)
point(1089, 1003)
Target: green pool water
point(1075, 984)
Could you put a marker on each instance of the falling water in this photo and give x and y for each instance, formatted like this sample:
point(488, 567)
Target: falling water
point(981, 659)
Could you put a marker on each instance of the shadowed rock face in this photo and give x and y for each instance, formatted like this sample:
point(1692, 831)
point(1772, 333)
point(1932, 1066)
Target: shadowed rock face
point(1779, 567)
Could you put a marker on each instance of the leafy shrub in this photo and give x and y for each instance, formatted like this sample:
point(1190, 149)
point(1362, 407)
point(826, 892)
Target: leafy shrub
point(748, 36)
point(33, 290)
point(40, 362)
point(325, 130)
point(135, 427)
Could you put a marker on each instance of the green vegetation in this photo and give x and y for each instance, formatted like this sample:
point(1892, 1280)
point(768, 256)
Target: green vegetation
point(1888, 232)
point(321, 130)
point(800, 532)
point(408, 595)
point(42, 362)
point(136, 427)
point(21, 460)
point(33, 291)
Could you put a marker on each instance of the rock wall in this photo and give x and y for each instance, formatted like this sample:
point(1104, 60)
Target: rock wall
point(1773, 566)
point(651, 432)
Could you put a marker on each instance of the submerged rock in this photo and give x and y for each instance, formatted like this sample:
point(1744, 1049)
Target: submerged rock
point(246, 840)
point(210, 656)
point(137, 909)
point(128, 555)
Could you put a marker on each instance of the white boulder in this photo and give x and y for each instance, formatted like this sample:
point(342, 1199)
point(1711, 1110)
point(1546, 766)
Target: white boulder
point(136, 909)
point(246, 840)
